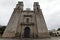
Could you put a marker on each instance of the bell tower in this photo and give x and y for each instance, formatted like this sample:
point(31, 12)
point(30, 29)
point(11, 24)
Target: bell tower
point(41, 24)
point(11, 29)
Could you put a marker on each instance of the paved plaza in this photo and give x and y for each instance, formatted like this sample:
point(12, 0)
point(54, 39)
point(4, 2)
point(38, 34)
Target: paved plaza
point(52, 38)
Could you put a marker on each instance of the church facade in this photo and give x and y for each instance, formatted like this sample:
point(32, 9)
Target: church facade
point(26, 23)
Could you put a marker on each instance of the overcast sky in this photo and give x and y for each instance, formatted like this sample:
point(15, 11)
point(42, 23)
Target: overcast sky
point(50, 9)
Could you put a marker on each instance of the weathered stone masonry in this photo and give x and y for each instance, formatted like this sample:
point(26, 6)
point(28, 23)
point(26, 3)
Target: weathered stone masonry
point(26, 23)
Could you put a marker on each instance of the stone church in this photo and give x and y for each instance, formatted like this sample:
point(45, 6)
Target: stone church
point(26, 23)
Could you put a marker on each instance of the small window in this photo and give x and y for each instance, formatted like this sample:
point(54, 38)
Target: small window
point(27, 20)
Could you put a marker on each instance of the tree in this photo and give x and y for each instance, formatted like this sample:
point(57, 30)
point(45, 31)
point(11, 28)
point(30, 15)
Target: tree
point(2, 28)
point(58, 29)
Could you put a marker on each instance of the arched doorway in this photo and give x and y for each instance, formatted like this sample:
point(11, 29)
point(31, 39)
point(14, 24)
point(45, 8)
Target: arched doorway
point(27, 32)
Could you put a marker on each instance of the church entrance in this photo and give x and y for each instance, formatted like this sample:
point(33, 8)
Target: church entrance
point(27, 32)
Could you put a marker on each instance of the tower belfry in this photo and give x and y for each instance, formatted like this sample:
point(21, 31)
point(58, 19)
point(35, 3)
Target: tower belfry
point(26, 23)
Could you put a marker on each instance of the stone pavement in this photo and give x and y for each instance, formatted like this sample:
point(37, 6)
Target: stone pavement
point(52, 38)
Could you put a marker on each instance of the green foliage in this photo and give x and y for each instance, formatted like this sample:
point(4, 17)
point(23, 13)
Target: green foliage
point(58, 29)
point(2, 28)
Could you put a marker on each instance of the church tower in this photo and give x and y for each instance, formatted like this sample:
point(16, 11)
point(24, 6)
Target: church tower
point(26, 23)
